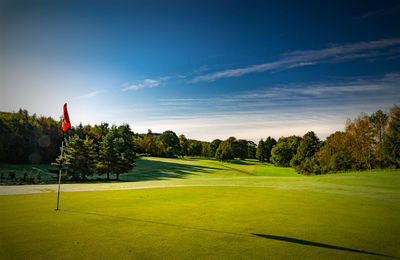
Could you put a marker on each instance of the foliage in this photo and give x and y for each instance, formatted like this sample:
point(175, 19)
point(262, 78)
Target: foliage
point(251, 150)
point(25, 138)
point(78, 157)
point(214, 146)
point(240, 149)
point(360, 141)
point(205, 149)
point(269, 143)
point(391, 143)
point(308, 146)
point(264, 149)
point(284, 150)
point(195, 148)
point(170, 142)
point(225, 151)
point(260, 152)
point(183, 144)
point(116, 152)
point(379, 121)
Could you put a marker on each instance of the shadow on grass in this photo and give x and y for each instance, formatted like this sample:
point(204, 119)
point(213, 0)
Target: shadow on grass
point(272, 237)
point(244, 162)
point(156, 170)
point(145, 170)
point(316, 244)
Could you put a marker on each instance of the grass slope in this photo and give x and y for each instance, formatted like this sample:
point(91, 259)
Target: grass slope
point(345, 216)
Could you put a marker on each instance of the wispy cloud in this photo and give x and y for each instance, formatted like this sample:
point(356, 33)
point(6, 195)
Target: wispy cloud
point(373, 90)
point(147, 83)
point(382, 12)
point(90, 95)
point(303, 58)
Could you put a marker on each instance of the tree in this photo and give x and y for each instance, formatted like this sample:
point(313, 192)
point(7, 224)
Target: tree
point(205, 149)
point(183, 144)
point(195, 148)
point(224, 151)
point(240, 149)
point(260, 152)
point(149, 144)
point(125, 150)
point(379, 121)
point(360, 141)
point(269, 143)
point(214, 146)
point(334, 155)
point(391, 143)
point(117, 152)
point(284, 150)
point(78, 157)
point(107, 157)
point(308, 146)
point(251, 150)
point(171, 143)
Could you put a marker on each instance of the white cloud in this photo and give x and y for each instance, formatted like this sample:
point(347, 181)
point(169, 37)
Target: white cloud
point(147, 83)
point(302, 58)
point(91, 94)
point(378, 89)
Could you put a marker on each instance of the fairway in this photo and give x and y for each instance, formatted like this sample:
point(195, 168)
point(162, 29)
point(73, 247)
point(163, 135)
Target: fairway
point(199, 208)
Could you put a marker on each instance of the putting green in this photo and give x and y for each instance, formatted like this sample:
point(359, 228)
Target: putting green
point(229, 210)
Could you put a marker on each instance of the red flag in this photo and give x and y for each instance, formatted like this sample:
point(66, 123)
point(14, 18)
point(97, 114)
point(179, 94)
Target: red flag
point(65, 120)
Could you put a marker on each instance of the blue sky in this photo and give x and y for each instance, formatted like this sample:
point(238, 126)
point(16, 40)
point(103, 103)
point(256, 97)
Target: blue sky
point(208, 70)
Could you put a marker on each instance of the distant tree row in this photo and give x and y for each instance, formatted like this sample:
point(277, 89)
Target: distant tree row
point(368, 142)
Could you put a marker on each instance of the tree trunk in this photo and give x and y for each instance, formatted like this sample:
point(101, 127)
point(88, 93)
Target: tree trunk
point(108, 176)
point(117, 176)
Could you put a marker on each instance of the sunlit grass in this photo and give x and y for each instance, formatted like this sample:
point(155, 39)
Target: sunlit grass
point(214, 215)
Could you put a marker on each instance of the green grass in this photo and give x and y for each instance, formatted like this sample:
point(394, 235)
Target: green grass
point(213, 215)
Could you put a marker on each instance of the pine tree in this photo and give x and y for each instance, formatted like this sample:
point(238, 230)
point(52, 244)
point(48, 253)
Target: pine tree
point(391, 143)
point(260, 152)
point(78, 157)
point(117, 152)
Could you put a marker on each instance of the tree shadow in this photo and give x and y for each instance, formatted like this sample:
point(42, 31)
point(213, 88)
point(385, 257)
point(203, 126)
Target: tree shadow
point(147, 170)
point(316, 244)
point(241, 162)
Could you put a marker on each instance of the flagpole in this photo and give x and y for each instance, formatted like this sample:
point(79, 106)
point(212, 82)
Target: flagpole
point(59, 173)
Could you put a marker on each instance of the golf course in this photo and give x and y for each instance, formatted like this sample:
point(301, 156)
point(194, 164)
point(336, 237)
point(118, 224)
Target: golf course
point(205, 209)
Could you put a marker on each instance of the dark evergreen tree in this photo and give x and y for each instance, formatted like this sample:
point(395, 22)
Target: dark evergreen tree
point(391, 143)
point(260, 152)
point(183, 144)
point(269, 143)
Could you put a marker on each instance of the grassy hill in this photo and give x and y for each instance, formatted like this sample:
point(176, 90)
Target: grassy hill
point(198, 208)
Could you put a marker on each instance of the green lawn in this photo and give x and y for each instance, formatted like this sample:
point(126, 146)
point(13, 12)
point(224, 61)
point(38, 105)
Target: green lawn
point(207, 209)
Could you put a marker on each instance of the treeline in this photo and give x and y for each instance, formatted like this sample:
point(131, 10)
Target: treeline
point(168, 144)
point(368, 142)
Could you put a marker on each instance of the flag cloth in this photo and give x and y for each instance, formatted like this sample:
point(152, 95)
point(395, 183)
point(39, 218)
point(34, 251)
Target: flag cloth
point(65, 120)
